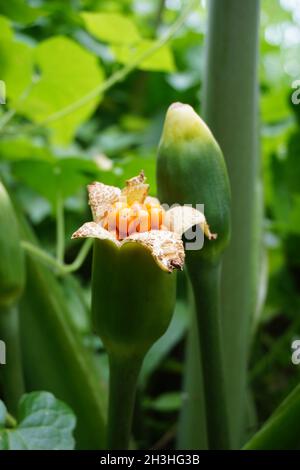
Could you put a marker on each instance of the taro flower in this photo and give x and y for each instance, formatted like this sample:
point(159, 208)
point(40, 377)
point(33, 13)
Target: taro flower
point(130, 215)
point(133, 297)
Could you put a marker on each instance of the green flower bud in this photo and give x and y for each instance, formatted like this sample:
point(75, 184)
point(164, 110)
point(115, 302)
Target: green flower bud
point(191, 170)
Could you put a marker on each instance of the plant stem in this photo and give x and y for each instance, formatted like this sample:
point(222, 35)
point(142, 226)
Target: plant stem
point(124, 374)
point(62, 268)
point(205, 278)
point(11, 374)
point(60, 229)
point(6, 117)
point(192, 413)
point(231, 111)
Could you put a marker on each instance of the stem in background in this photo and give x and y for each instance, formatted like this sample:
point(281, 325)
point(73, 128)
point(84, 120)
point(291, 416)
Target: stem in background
point(205, 278)
point(62, 268)
point(236, 26)
point(159, 14)
point(192, 413)
point(11, 112)
point(124, 374)
point(11, 374)
point(231, 111)
point(60, 229)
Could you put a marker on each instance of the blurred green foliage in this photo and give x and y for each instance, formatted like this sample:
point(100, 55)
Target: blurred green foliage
point(58, 134)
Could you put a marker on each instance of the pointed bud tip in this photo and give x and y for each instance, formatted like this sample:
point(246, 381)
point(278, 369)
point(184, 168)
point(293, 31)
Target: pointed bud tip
point(183, 123)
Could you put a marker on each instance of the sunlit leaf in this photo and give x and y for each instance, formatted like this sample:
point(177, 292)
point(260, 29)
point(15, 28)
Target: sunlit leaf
point(275, 105)
point(160, 61)
point(111, 27)
point(6, 32)
point(68, 72)
point(16, 62)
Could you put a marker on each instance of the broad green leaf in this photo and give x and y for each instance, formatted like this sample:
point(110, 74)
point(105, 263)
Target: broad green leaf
point(281, 431)
point(44, 423)
point(16, 63)
point(160, 61)
point(111, 27)
point(68, 73)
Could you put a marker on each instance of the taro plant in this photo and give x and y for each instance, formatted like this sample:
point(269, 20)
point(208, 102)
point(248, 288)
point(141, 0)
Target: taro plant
point(94, 342)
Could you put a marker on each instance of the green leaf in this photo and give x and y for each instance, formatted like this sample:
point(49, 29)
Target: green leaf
point(6, 32)
point(280, 432)
point(160, 61)
point(166, 402)
point(20, 11)
point(3, 413)
point(22, 148)
point(63, 176)
point(275, 105)
point(68, 72)
point(44, 423)
point(16, 62)
point(111, 27)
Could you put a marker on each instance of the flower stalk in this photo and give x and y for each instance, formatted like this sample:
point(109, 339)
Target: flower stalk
point(205, 279)
point(124, 373)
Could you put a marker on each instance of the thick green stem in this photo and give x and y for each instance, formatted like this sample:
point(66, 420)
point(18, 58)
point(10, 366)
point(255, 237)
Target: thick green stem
point(124, 374)
point(205, 278)
point(11, 374)
point(230, 110)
